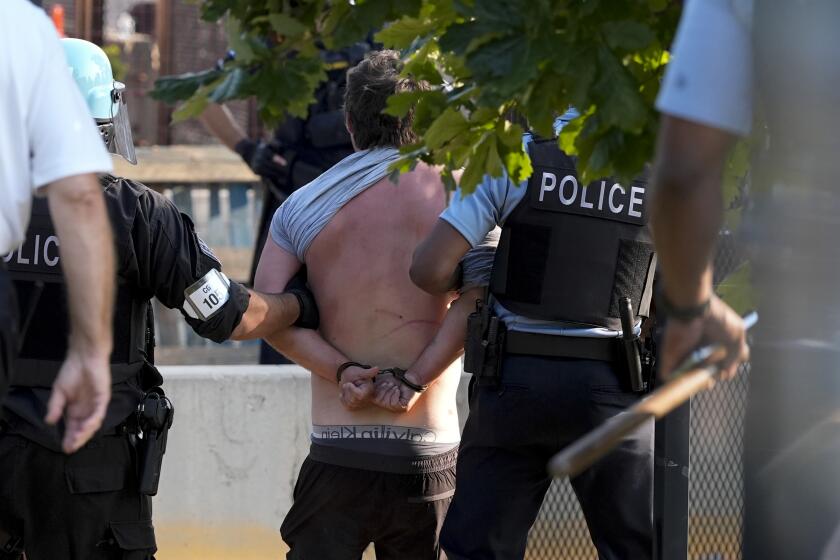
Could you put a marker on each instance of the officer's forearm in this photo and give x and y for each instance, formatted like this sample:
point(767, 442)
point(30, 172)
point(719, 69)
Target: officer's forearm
point(220, 122)
point(448, 343)
point(266, 314)
point(87, 259)
point(685, 228)
point(687, 207)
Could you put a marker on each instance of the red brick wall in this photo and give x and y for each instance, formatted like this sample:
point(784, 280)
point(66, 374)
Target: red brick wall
point(196, 45)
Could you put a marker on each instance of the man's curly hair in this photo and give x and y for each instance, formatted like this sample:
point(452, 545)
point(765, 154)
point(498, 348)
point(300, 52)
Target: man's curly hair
point(369, 84)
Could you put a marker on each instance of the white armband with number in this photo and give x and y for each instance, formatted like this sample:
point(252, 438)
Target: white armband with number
point(207, 295)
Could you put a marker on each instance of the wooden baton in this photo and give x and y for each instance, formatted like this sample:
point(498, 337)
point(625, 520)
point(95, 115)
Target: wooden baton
point(693, 376)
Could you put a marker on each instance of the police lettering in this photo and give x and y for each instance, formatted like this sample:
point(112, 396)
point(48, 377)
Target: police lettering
point(37, 253)
point(561, 192)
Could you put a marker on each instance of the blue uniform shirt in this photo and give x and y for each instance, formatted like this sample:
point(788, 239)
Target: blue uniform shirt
point(473, 216)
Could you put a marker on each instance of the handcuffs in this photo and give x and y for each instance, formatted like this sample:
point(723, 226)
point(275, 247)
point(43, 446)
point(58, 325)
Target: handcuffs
point(398, 373)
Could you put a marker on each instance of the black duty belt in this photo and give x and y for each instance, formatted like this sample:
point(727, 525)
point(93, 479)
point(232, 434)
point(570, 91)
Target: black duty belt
point(554, 346)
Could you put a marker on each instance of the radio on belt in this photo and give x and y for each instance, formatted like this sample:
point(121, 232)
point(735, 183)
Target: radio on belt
point(207, 295)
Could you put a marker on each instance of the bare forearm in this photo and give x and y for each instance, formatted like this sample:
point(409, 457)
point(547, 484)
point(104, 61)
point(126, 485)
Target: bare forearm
point(687, 206)
point(266, 314)
point(685, 225)
point(78, 211)
point(435, 282)
point(308, 349)
point(448, 343)
point(434, 265)
point(220, 122)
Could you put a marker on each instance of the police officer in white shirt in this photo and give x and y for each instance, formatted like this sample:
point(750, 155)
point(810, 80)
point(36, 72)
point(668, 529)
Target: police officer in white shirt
point(49, 146)
point(574, 262)
point(731, 57)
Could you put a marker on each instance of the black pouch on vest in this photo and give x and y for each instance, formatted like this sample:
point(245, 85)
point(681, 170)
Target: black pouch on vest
point(485, 344)
point(494, 345)
point(473, 349)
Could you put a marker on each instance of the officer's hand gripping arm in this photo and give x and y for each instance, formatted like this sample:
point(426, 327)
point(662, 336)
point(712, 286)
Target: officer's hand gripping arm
point(269, 313)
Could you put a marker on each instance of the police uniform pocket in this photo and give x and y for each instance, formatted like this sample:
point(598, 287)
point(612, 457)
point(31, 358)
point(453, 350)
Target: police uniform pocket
point(101, 466)
point(502, 414)
point(135, 536)
point(99, 478)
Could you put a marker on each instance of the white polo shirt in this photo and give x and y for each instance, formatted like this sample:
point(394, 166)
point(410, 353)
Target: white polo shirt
point(46, 132)
point(709, 78)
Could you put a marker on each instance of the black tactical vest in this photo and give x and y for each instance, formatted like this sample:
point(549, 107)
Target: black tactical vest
point(313, 145)
point(569, 252)
point(35, 269)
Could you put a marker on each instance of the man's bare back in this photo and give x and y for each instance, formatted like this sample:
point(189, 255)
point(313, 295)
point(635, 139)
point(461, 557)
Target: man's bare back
point(370, 310)
point(356, 232)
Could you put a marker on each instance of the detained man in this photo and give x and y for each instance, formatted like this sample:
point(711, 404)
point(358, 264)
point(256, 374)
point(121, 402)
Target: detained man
point(381, 467)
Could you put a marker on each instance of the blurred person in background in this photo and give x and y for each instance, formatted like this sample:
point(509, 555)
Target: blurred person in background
point(765, 69)
point(49, 148)
point(299, 151)
point(97, 502)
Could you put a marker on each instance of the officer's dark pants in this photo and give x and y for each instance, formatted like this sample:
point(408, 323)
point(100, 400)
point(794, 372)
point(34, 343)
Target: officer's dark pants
point(83, 506)
point(8, 330)
point(792, 437)
point(513, 430)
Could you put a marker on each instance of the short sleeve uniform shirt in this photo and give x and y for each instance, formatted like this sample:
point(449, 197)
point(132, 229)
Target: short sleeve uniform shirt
point(46, 132)
point(709, 79)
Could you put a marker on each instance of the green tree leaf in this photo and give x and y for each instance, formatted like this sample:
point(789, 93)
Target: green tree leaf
point(230, 88)
point(627, 35)
point(286, 25)
point(485, 59)
point(476, 168)
point(171, 89)
point(402, 33)
point(191, 108)
point(448, 125)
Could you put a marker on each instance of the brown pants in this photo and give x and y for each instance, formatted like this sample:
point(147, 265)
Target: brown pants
point(339, 511)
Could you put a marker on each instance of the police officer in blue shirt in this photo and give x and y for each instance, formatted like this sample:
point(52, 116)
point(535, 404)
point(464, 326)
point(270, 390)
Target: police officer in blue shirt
point(547, 354)
point(96, 503)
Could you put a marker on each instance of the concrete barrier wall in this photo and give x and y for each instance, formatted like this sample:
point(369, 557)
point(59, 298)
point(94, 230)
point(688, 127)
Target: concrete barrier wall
point(239, 437)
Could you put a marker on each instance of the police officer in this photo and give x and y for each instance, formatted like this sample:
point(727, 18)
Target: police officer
point(49, 146)
point(729, 56)
point(96, 503)
point(547, 356)
point(300, 150)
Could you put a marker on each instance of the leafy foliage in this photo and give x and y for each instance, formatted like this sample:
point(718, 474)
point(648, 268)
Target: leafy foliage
point(118, 67)
point(486, 60)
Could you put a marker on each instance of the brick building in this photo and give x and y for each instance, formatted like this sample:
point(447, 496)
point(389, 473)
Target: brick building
point(154, 38)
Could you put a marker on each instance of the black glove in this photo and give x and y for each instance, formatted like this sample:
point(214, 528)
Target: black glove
point(309, 317)
point(260, 158)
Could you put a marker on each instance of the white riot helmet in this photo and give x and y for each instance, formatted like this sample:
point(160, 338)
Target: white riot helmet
point(104, 96)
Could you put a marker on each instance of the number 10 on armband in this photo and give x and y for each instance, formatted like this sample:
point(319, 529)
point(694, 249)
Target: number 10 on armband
point(207, 295)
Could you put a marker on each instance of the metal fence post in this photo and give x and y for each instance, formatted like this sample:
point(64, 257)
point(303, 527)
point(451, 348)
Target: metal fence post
point(670, 485)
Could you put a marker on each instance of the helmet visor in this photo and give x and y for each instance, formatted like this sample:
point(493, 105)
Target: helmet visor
point(118, 137)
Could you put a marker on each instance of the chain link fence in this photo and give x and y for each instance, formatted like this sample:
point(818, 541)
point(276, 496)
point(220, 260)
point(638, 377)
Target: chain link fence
point(716, 479)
